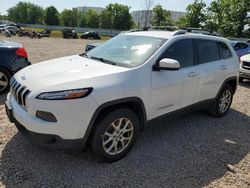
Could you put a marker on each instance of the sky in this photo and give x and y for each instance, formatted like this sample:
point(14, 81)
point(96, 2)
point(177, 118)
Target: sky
point(177, 5)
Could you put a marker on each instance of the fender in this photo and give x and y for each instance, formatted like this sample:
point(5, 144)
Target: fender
point(114, 103)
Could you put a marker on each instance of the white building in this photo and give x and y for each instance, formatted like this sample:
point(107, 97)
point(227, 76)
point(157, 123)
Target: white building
point(86, 9)
point(139, 17)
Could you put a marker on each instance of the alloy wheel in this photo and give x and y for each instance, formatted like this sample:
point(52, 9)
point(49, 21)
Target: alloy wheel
point(225, 101)
point(3, 81)
point(118, 136)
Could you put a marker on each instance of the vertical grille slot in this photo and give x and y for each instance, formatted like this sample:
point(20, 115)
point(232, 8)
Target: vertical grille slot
point(19, 92)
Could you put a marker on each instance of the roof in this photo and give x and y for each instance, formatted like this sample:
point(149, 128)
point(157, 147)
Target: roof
point(158, 34)
point(171, 34)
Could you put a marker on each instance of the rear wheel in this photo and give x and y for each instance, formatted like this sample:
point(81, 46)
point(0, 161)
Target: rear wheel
point(4, 80)
point(223, 102)
point(115, 135)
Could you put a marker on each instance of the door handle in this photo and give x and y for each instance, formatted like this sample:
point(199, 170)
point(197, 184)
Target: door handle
point(223, 67)
point(192, 74)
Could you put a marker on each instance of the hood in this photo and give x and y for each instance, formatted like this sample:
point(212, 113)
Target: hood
point(245, 58)
point(65, 73)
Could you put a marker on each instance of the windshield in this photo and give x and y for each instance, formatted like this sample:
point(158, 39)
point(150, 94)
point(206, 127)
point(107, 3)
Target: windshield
point(126, 50)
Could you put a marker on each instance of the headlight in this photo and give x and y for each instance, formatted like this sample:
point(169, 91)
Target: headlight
point(65, 95)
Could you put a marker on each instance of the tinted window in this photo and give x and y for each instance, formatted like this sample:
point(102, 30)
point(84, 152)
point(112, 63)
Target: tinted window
point(243, 46)
point(224, 50)
point(181, 51)
point(208, 51)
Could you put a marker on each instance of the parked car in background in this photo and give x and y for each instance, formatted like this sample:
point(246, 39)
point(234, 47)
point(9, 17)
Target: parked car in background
point(13, 57)
point(241, 48)
point(106, 96)
point(91, 46)
point(13, 29)
point(91, 34)
point(245, 67)
point(69, 33)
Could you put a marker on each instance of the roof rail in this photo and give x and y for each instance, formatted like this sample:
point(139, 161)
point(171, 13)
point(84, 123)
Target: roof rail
point(184, 30)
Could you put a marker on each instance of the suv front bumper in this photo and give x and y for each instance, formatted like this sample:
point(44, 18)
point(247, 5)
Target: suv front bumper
point(47, 141)
point(244, 72)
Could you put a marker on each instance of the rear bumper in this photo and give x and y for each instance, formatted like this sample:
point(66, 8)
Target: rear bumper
point(46, 141)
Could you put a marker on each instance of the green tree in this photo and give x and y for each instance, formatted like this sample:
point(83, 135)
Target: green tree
point(82, 19)
point(161, 17)
point(116, 16)
point(105, 21)
point(51, 16)
point(93, 19)
point(69, 18)
point(195, 14)
point(26, 13)
point(228, 16)
point(182, 22)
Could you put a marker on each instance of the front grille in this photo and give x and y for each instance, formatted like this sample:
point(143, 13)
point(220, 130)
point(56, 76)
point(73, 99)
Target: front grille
point(245, 63)
point(19, 92)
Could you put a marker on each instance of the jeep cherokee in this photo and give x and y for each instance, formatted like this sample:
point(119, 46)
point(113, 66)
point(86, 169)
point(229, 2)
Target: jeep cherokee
point(106, 96)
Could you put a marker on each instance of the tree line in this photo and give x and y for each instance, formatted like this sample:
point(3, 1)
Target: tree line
point(115, 16)
point(224, 16)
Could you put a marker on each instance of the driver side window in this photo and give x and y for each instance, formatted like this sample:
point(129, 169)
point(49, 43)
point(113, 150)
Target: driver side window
point(182, 51)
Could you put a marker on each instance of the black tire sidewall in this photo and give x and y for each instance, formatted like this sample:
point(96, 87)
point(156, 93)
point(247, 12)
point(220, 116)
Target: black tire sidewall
point(8, 75)
point(218, 112)
point(101, 127)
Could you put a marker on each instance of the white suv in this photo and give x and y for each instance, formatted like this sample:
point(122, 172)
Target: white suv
point(105, 97)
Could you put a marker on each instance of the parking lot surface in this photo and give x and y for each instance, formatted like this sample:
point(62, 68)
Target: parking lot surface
point(195, 150)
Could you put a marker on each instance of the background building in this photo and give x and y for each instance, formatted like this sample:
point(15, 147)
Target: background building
point(139, 17)
point(85, 9)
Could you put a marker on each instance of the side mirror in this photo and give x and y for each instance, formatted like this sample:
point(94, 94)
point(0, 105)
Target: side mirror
point(167, 64)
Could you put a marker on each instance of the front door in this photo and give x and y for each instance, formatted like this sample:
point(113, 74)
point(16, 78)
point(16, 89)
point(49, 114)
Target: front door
point(175, 89)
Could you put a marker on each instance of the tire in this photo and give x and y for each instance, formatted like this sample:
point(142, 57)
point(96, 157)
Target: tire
point(241, 79)
point(4, 80)
point(113, 150)
point(220, 106)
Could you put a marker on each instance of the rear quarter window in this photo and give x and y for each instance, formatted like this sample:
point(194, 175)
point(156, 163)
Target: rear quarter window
point(224, 50)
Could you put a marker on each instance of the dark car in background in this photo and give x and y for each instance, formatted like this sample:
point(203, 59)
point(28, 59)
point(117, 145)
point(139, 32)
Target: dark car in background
point(69, 33)
point(241, 48)
point(13, 57)
point(91, 34)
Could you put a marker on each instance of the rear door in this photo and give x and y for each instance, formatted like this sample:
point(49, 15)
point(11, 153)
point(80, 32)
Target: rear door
point(213, 66)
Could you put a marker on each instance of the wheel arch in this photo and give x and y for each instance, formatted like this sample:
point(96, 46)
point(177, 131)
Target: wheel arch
point(6, 69)
point(232, 81)
point(133, 103)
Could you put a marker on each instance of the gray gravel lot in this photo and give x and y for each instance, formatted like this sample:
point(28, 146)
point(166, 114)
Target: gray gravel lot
point(195, 150)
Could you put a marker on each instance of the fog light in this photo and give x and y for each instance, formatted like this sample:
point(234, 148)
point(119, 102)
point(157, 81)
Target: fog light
point(46, 116)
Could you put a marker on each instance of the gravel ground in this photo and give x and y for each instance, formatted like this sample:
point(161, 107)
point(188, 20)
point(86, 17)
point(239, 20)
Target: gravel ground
point(195, 150)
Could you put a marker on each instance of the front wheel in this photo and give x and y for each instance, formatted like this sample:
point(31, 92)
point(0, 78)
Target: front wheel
point(115, 135)
point(223, 102)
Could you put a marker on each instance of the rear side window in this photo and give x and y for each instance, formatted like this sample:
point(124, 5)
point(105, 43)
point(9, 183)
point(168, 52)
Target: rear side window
point(243, 46)
point(207, 51)
point(224, 50)
point(182, 51)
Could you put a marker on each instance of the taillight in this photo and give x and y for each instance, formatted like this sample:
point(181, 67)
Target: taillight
point(22, 52)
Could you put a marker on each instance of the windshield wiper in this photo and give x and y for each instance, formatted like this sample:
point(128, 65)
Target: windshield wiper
point(103, 60)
